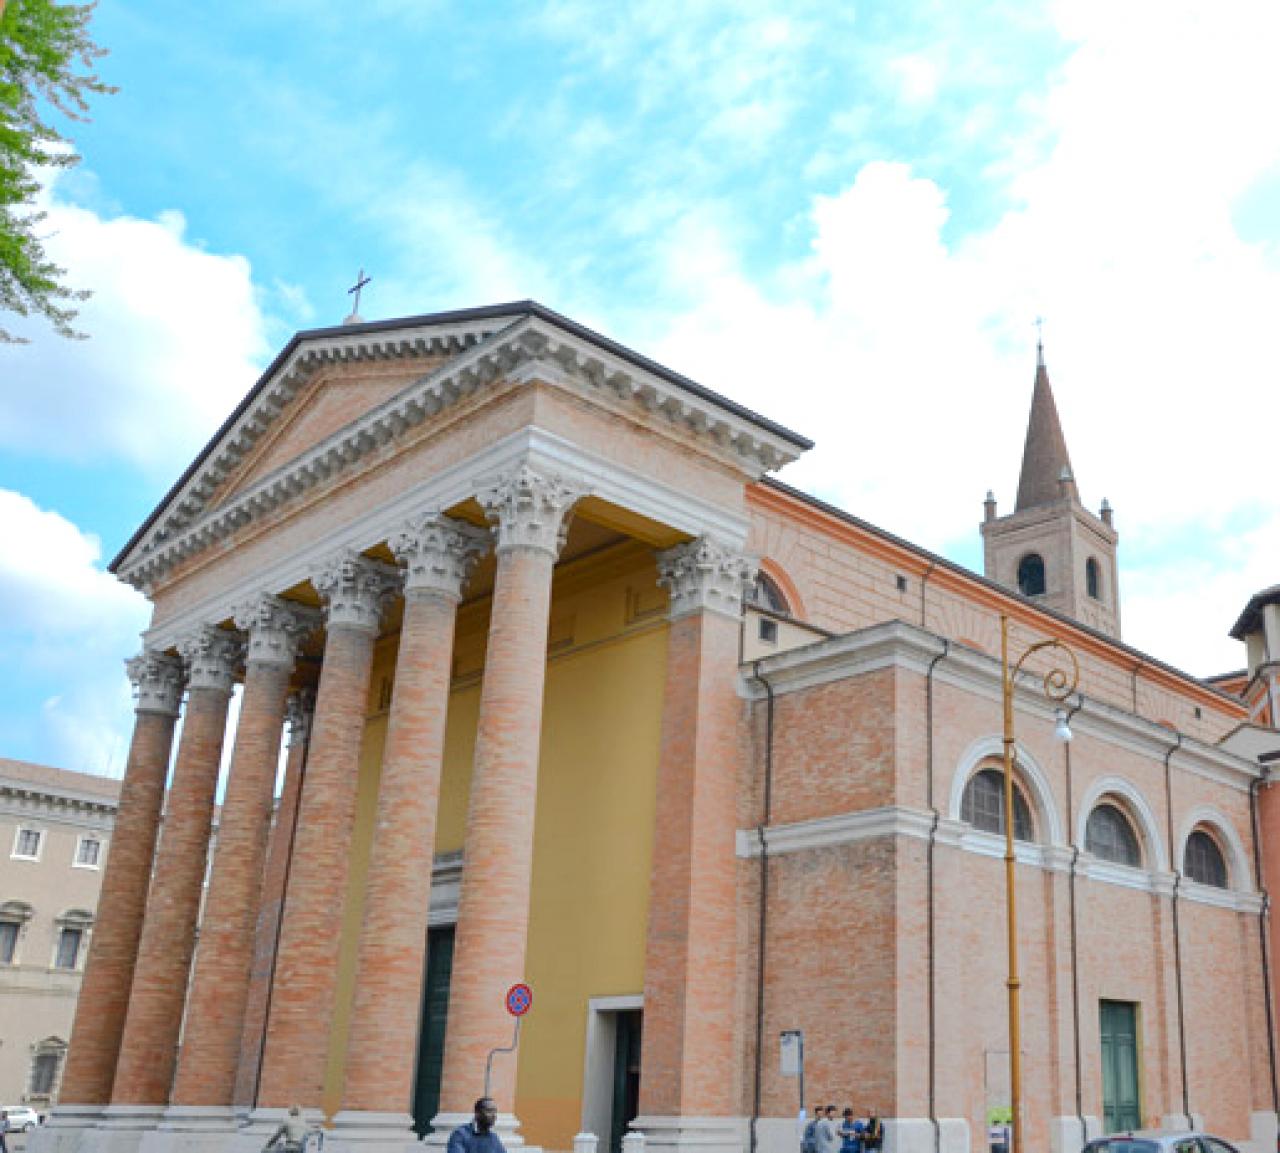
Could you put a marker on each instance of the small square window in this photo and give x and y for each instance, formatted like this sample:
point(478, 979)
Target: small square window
point(768, 631)
point(27, 844)
point(68, 948)
point(88, 853)
point(902, 584)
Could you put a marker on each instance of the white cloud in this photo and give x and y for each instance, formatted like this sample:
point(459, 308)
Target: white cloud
point(67, 624)
point(906, 348)
point(176, 339)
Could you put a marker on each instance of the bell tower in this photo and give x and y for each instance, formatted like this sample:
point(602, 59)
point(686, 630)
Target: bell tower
point(1051, 548)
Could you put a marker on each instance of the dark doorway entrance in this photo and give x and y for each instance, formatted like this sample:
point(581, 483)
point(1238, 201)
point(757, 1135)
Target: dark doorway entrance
point(435, 1008)
point(626, 1076)
point(1121, 1107)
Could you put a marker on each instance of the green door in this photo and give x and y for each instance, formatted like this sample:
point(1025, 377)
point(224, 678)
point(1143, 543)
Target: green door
point(1121, 1108)
point(626, 1076)
point(435, 1008)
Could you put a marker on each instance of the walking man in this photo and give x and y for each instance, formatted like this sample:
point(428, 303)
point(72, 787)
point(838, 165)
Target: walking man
point(477, 1135)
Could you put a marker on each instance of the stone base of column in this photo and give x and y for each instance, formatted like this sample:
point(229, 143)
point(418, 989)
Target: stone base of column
point(361, 1131)
point(1263, 1128)
point(121, 1128)
point(192, 1129)
point(1066, 1135)
point(65, 1129)
point(696, 1134)
point(1181, 1120)
point(508, 1129)
point(916, 1135)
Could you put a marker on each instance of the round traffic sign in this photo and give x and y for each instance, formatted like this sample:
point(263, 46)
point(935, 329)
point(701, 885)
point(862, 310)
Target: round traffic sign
point(519, 1000)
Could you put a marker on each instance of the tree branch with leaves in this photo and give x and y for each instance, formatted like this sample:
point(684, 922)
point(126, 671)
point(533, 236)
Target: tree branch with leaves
point(47, 68)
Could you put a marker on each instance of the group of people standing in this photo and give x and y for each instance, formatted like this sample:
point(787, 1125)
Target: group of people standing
point(850, 1134)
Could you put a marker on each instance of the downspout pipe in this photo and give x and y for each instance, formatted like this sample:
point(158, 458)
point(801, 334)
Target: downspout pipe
point(1177, 933)
point(1263, 913)
point(1075, 937)
point(929, 886)
point(763, 922)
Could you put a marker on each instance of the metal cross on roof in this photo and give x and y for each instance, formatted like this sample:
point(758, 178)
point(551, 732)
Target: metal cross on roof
point(361, 281)
point(1039, 340)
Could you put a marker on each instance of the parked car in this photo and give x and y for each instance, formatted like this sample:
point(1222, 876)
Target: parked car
point(1160, 1141)
point(22, 1118)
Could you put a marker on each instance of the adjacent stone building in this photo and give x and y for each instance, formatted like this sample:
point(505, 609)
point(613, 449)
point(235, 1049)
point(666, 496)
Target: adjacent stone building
point(55, 836)
point(579, 694)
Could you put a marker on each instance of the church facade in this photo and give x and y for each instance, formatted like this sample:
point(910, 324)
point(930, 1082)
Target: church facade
point(577, 694)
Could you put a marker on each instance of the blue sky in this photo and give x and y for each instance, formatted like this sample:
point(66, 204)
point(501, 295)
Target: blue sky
point(846, 216)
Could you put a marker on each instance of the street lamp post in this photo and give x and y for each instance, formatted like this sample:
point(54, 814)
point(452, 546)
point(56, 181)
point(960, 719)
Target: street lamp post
point(1058, 685)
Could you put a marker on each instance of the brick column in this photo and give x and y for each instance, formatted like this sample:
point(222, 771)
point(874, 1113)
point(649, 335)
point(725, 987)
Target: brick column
point(383, 1046)
point(215, 1006)
point(493, 910)
point(303, 995)
point(149, 1047)
point(301, 709)
point(108, 976)
point(689, 1076)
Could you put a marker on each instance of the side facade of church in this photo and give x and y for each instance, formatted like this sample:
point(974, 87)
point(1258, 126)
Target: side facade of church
point(578, 695)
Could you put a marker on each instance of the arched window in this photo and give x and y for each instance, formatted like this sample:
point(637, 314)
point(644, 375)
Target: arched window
point(1109, 835)
point(1203, 860)
point(1031, 575)
point(766, 594)
point(983, 805)
point(1093, 579)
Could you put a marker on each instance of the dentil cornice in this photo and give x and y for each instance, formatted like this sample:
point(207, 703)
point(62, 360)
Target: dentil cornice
point(356, 590)
point(438, 553)
point(704, 575)
point(158, 679)
point(527, 348)
point(275, 629)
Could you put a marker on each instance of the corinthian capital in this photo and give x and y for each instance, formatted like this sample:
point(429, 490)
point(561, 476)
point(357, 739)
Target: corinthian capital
point(438, 553)
point(356, 589)
point(157, 678)
point(530, 509)
point(300, 711)
point(275, 628)
point(704, 575)
point(212, 656)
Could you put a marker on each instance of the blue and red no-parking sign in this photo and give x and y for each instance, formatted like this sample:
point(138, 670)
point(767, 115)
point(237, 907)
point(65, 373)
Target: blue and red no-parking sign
point(519, 1000)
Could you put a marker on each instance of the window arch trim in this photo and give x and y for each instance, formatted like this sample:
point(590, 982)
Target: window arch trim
point(1239, 870)
point(776, 573)
point(1135, 807)
point(1045, 818)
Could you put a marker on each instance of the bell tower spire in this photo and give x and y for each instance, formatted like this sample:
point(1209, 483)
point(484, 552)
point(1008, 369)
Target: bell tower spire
point(1051, 548)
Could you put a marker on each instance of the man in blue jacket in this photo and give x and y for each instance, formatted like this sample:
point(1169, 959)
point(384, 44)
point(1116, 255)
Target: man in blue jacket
point(477, 1135)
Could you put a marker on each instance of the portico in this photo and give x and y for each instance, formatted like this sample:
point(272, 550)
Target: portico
point(446, 533)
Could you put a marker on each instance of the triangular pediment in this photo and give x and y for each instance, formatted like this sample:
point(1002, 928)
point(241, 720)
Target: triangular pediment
point(334, 396)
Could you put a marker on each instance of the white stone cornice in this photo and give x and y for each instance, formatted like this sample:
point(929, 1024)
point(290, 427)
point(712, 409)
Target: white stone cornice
point(528, 348)
point(530, 509)
point(356, 590)
point(275, 629)
point(683, 510)
point(704, 575)
point(438, 553)
point(300, 711)
point(212, 656)
point(158, 679)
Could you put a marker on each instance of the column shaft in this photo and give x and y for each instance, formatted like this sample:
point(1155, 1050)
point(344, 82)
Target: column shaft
point(493, 911)
point(219, 990)
point(687, 1056)
point(104, 994)
point(267, 930)
point(304, 991)
point(382, 1050)
point(149, 1047)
